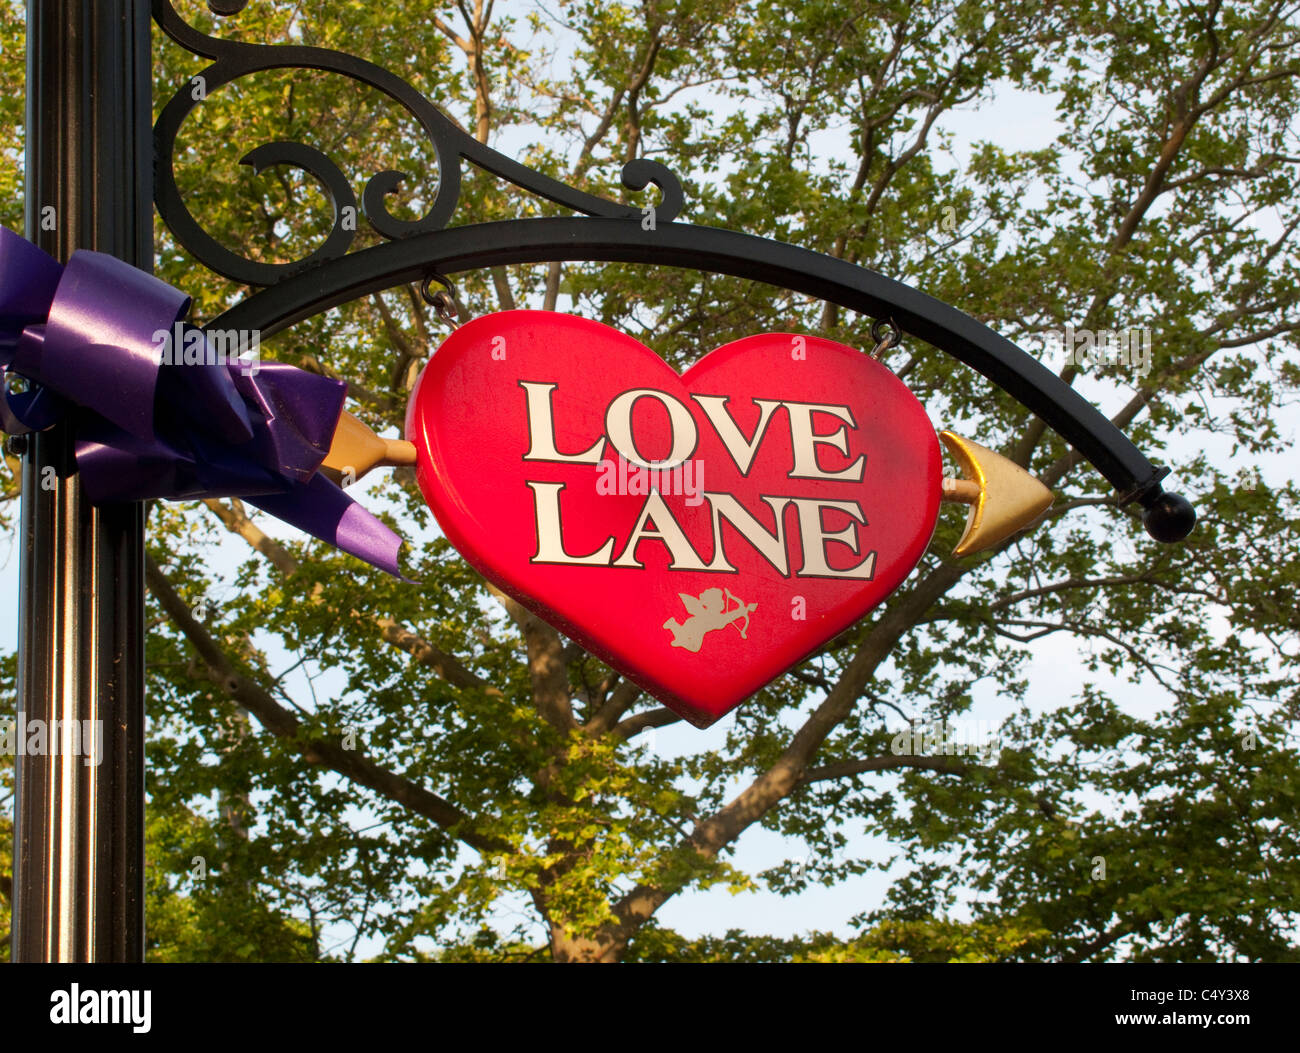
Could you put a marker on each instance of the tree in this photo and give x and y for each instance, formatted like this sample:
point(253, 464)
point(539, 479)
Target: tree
point(347, 753)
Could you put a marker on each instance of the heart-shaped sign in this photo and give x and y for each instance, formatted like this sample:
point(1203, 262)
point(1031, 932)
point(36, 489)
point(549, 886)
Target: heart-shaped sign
point(699, 533)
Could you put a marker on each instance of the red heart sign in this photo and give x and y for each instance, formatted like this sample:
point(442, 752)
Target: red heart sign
point(699, 533)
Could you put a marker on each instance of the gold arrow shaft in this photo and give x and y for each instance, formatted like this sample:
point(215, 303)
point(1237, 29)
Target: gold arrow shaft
point(962, 491)
point(356, 450)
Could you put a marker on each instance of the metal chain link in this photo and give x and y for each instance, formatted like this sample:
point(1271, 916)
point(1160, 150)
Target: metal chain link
point(443, 301)
point(885, 341)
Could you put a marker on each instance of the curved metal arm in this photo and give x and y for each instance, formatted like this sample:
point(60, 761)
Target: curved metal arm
point(1168, 517)
point(327, 277)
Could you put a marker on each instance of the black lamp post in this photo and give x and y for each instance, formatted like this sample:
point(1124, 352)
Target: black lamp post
point(79, 828)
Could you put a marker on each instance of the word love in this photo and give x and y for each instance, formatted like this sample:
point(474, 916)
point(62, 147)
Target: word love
point(656, 521)
point(700, 533)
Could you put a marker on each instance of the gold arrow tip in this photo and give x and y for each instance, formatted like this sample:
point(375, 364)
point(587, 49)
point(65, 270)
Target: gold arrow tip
point(1009, 498)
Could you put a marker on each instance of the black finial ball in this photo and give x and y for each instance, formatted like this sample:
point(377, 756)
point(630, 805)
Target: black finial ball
point(1169, 518)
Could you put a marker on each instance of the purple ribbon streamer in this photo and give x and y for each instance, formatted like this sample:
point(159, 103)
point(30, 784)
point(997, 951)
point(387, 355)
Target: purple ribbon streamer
point(168, 418)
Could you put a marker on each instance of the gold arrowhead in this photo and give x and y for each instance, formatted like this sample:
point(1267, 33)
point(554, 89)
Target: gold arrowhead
point(1003, 497)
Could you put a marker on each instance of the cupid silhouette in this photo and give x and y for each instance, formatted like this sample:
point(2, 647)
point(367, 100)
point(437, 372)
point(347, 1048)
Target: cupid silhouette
point(708, 611)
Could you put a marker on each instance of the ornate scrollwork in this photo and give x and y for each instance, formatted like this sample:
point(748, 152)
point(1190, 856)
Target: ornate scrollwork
point(235, 59)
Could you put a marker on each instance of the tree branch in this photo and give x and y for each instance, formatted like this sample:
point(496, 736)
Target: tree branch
point(843, 769)
point(283, 724)
point(426, 653)
point(651, 718)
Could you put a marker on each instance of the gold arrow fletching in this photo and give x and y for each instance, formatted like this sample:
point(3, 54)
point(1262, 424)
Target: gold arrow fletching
point(356, 449)
point(1003, 497)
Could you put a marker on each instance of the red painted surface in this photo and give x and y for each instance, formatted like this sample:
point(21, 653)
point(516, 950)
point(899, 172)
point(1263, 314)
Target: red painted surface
point(698, 628)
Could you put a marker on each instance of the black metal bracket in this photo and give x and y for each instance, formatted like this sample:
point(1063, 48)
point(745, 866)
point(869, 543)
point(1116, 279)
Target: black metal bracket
point(235, 59)
point(607, 232)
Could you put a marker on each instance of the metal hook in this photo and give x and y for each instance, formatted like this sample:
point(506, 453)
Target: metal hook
point(443, 301)
point(885, 341)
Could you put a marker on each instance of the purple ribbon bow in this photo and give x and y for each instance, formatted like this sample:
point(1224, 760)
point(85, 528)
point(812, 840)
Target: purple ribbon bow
point(157, 410)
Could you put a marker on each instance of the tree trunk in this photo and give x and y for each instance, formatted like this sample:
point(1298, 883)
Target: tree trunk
point(569, 948)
